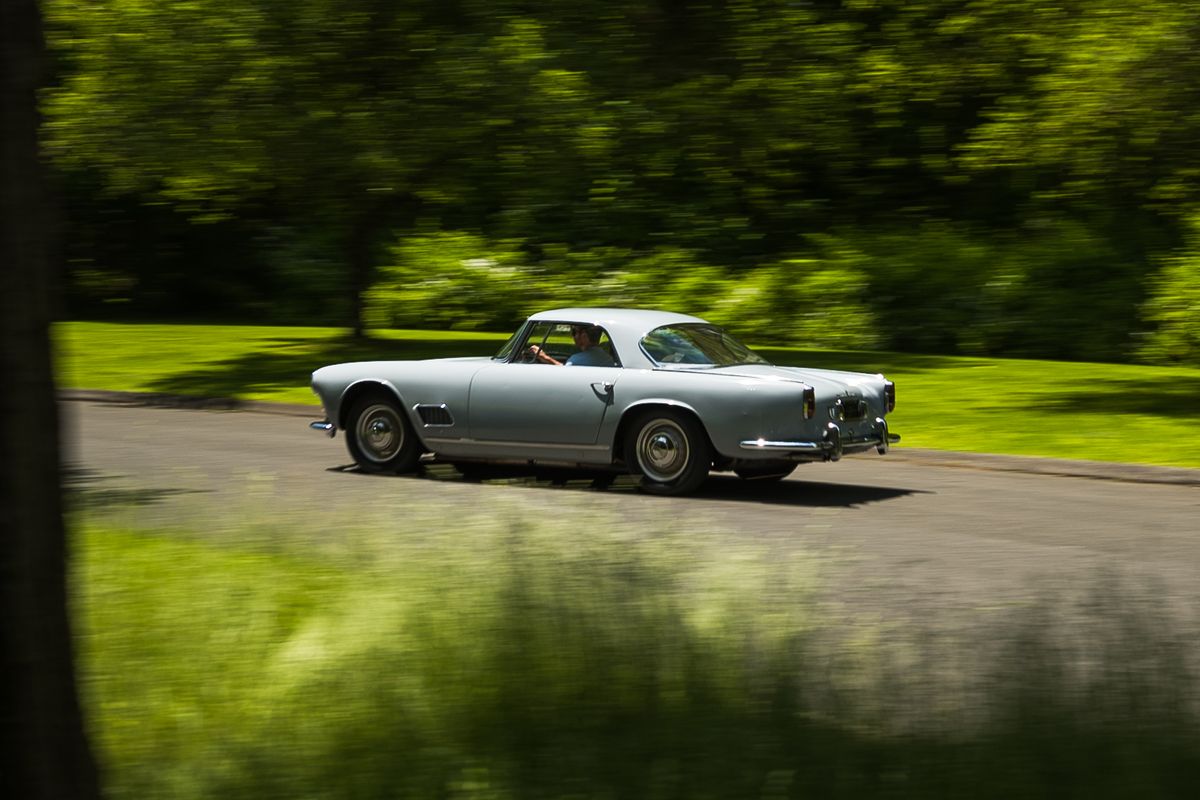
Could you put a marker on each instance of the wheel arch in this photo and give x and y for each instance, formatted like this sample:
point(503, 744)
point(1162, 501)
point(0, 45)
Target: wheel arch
point(635, 410)
point(369, 386)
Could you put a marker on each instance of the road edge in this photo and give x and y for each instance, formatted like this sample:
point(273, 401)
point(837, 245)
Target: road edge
point(1034, 465)
point(164, 400)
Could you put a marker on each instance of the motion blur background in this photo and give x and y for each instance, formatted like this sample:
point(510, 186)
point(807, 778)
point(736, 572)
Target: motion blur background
point(982, 177)
point(1003, 177)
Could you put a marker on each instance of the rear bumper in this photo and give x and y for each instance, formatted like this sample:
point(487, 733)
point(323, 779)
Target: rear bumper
point(325, 426)
point(830, 447)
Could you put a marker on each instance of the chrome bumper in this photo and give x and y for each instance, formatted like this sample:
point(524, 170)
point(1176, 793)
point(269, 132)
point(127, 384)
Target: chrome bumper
point(325, 426)
point(832, 445)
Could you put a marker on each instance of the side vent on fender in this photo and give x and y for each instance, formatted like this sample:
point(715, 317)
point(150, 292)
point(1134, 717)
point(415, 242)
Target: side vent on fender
point(435, 415)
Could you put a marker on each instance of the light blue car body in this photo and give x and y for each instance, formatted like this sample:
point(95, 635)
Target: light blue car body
point(502, 409)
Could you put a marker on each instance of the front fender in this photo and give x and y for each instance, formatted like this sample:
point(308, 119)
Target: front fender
point(360, 387)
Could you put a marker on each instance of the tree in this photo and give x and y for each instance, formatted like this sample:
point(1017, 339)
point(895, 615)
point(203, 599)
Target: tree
point(43, 748)
point(347, 118)
point(1110, 124)
point(1173, 307)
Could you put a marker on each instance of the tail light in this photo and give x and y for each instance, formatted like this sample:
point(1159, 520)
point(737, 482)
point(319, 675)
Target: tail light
point(810, 402)
point(889, 389)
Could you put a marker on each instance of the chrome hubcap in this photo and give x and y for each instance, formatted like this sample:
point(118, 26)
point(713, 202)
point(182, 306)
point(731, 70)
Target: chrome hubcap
point(662, 450)
point(380, 433)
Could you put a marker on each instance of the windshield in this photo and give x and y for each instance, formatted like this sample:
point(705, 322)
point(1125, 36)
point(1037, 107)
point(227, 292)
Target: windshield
point(507, 349)
point(697, 344)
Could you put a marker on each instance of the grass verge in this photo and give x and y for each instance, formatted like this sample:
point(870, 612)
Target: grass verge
point(1107, 412)
point(503, 661)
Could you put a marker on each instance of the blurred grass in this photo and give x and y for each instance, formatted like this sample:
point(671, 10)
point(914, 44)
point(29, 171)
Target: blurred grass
point(504, 660)
point(1107, 412)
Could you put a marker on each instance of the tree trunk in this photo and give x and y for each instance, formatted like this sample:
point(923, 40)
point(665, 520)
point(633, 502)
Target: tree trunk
point(43, 748)
point(360, 253)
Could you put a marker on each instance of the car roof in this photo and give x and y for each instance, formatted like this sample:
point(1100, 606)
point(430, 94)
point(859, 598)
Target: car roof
point(630, 320)
point(625, 326)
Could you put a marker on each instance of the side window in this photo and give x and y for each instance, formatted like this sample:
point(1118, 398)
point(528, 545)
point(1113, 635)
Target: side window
point(567, 342)
point(668, 345)
point(559, 342)
point(590, 346)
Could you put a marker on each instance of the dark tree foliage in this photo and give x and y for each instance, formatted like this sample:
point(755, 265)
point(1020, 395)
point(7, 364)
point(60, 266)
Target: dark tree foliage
point(1043, 153)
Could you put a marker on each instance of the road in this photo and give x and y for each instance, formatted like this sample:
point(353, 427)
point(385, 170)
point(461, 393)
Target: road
point(894, 532)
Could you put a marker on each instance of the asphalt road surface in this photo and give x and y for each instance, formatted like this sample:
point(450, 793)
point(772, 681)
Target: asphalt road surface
point(913, 532)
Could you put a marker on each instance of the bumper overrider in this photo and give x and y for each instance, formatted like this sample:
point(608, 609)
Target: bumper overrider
point(832, 445)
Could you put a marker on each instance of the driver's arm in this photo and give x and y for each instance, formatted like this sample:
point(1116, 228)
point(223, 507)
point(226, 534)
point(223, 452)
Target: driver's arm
point(543, 356)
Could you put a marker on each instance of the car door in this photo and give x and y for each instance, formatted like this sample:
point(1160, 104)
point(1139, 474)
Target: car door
point(540, 404)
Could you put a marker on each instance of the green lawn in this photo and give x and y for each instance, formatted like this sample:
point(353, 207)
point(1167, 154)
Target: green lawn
point(1108, 412)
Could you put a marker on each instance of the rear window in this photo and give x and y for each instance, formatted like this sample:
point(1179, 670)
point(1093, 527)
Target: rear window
point(697, 344)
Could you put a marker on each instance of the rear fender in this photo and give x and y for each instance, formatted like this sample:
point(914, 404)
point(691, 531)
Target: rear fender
point(634, 409)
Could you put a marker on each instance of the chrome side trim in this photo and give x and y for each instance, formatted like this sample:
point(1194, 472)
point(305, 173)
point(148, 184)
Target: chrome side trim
point(763, 444)
point(499, 443)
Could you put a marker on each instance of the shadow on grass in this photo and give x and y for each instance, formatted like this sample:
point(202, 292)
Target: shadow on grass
point(286, 363)
point(1175, 397)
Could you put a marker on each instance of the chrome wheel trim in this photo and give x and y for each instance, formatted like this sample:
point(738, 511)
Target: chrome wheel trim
point(380, 432)
point(662, 449)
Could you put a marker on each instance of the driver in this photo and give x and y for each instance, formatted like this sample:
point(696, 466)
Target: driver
point(591, 354)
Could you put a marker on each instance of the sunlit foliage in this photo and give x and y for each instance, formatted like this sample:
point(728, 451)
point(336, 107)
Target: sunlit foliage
point(1174, 306)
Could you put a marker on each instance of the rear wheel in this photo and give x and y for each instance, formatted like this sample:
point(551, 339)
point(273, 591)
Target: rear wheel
point(378, 436)
point(670, 451)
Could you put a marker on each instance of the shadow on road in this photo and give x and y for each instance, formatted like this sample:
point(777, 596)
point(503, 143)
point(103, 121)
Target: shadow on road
point(798, 492)
point(718, 488)
point(86, 490)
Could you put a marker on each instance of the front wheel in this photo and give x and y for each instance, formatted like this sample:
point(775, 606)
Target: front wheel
point(670, 450)
point(379, 438)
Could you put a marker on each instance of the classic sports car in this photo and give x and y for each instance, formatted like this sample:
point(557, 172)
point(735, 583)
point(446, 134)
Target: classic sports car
point(665, 396)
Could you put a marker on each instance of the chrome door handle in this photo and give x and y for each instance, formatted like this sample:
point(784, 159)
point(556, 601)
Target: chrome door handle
point(604, 391)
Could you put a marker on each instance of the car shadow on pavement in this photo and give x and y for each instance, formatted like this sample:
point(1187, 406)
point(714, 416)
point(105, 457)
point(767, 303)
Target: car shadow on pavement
point(717, 488)
point(797, 492)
